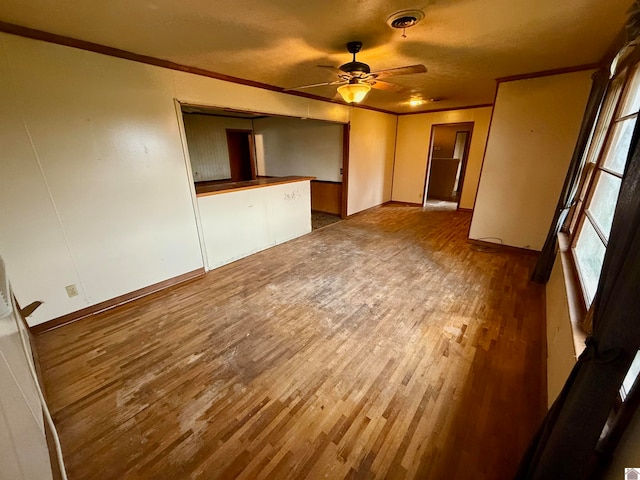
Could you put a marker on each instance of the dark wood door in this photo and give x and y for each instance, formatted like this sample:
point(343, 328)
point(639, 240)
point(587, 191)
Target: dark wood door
point(241, 158)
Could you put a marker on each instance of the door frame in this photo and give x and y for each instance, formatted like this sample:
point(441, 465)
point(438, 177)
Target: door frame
point(346, 136)
point(464, 160)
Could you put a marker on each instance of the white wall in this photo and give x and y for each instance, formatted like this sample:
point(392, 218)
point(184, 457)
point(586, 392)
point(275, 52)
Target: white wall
point(240, 223)
point(207, 141)
point(23, 445)
point(533, 133)
point(412, 152)
point(292, 146)
point(93, 184)
point(371, 157)
point(94, 188)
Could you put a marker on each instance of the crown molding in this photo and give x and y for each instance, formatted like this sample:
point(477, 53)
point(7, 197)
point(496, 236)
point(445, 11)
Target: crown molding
point(34, 34)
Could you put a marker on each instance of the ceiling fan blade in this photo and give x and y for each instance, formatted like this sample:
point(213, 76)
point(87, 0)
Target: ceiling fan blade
point(324, 84)
point(408, 70)
point(380, 85)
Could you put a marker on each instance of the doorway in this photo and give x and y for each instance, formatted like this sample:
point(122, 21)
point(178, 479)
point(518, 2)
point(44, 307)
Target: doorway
point(447, 163)
point(241, 155)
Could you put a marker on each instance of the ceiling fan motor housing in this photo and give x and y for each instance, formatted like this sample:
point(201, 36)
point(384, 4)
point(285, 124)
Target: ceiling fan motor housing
point(355, 67)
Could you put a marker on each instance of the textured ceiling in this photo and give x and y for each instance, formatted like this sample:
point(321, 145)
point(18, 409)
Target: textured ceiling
point(465, 44)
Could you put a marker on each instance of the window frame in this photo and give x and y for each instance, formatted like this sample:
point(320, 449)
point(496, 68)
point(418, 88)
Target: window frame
point(610, 114)
point(624, 83)
point(580, 309)
point(597, 141)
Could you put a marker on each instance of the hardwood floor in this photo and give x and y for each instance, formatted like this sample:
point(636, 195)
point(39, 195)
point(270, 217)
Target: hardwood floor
point(383, 346)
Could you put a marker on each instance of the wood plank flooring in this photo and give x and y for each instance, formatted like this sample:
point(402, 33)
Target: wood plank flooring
point(383, 346)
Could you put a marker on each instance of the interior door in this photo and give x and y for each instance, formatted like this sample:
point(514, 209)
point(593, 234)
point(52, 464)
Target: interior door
point(241, 156)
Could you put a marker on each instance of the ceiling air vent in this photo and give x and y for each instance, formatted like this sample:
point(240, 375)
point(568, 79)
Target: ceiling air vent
point(404, 19)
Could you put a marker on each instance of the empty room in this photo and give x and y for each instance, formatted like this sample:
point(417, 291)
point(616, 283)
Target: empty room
point(354, 239)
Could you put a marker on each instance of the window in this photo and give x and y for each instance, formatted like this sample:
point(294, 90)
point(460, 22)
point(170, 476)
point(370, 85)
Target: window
point(621, 414)
point(596, 142)
point(589, 222)
point(630, 378)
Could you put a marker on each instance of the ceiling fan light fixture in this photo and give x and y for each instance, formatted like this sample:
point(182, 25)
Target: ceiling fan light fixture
point(354, 92)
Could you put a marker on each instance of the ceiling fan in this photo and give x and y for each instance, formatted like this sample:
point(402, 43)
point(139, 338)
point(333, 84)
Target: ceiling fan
point(356, 78)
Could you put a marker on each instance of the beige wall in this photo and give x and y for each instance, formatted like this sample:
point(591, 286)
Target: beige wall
point(94, 187)
point(371, 151)
point(561, 356)
point(533, 133)
point(308, 148)
point(412, 151)
point(627, 454)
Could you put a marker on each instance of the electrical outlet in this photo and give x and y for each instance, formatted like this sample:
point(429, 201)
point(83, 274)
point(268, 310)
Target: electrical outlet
point(72, 290)
point(340, 171)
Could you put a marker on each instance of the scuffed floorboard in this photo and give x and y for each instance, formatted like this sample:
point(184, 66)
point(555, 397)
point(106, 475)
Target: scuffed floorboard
point(383, 346)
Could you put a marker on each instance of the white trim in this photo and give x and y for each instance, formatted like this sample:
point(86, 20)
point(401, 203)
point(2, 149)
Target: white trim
point(192, 187)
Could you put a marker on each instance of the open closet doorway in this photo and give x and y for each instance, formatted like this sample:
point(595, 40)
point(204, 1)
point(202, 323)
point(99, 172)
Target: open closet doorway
point(447, 163)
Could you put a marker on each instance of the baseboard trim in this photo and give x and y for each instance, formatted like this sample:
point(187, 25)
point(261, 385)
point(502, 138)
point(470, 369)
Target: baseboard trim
point(114, 302)
point(404, 204)
point(368, 209)
point(501, 247)
point(468, 210)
